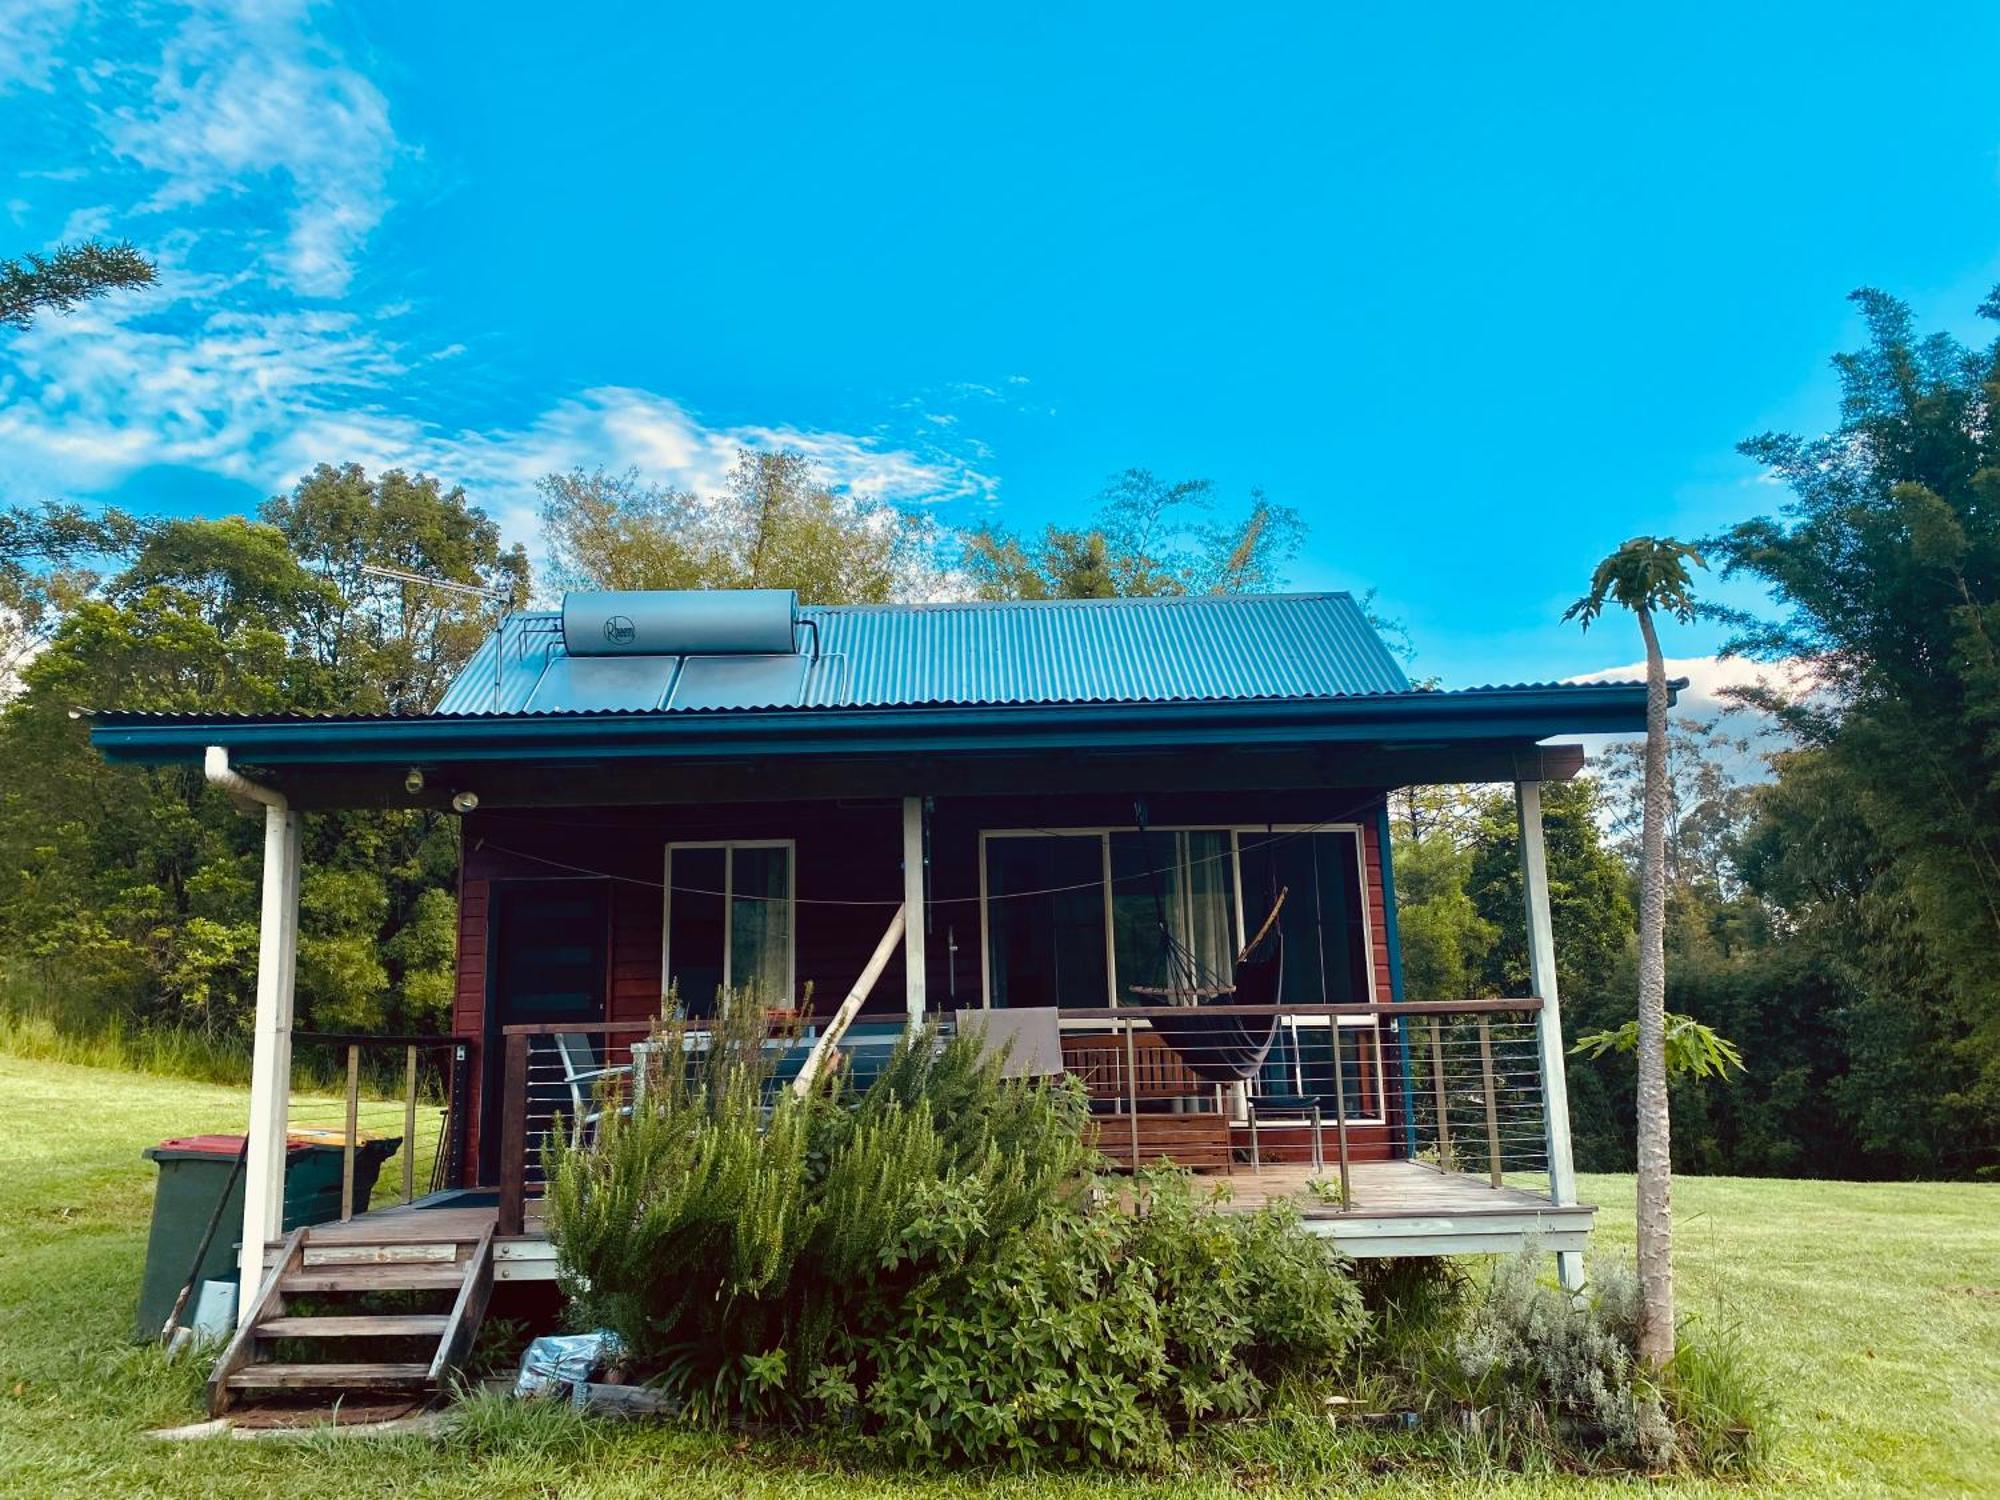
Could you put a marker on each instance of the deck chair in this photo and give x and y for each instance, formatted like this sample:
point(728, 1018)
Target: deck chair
point(582, 1072)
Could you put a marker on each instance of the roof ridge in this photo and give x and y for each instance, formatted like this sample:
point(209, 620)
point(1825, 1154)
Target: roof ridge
point(1143, 600)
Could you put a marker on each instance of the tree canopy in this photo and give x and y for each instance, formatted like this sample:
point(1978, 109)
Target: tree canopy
point(1146, 536)
point(66, 277)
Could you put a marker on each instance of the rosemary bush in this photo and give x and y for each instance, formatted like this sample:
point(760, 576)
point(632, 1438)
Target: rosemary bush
point(927, 1265)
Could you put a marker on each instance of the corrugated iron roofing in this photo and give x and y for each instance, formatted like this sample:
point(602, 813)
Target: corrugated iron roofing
point(1227, 648)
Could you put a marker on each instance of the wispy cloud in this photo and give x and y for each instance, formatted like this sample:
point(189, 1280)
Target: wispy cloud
point(247, 99)
point(257, 161)
point(31, 34)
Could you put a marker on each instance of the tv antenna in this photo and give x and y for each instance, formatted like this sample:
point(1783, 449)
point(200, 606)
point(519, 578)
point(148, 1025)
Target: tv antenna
point(499, 598)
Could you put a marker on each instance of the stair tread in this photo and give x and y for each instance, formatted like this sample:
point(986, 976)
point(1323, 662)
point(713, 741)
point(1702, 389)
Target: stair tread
point(353, 1325)
point(412, 1276)
point(308, 1376)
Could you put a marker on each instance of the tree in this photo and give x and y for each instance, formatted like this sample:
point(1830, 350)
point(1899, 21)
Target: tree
point(775, 523)
point(133, 891)
point(1146, 537)
point(1885, 567)
point(1649, 575)
point(48, 563)
point(391, 645)
point(66, 277)
point(1708, 801)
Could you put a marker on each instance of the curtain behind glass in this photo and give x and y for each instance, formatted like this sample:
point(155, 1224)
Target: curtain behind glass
point(760, 924)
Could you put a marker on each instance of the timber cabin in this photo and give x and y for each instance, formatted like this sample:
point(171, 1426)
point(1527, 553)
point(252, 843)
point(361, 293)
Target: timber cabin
point(1145, 839)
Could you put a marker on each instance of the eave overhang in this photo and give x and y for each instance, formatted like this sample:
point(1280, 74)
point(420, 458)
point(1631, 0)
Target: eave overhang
point(1415, 720)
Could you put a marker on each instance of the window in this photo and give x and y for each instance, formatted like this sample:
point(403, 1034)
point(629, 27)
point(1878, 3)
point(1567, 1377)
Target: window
point(1324, 926)
point(1045, 920)
point(729, 918)
point(1186, 878)
point(1073, 917)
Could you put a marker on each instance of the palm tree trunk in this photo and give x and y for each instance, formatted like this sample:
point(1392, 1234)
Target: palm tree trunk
point(1656, 1271)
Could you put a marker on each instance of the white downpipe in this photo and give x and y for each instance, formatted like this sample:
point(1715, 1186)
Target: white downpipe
point(1548, 1025)
point(271, 1056)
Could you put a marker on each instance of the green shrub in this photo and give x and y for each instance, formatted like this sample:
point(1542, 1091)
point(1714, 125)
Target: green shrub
point(926, 1264)
point(1087, 1337)
point(726, 1228)
point(1561, 1368)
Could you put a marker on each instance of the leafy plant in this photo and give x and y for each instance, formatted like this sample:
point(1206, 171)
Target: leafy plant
point(1564, 1369)
point(1693, 1049)
point(924, 1262)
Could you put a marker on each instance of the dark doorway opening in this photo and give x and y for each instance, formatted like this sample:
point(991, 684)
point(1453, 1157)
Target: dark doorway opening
point(546, 963)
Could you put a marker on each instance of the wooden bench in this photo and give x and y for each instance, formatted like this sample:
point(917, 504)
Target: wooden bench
point(1200, 1141)
point(1196, 1138)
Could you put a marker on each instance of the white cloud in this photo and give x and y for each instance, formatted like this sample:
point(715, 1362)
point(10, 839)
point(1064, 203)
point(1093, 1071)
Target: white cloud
point(31, 34)
point(1705, 697)
point(1709, 679)
point(262, 396)
point(253, 160)
point(244, 96)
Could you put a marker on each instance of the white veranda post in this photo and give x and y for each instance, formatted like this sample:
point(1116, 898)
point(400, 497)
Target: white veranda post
point(913, 907)
point(1548, 1025)
point(271, 1043)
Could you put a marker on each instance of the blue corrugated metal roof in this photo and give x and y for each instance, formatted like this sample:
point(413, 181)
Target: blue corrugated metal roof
point(1202, 649)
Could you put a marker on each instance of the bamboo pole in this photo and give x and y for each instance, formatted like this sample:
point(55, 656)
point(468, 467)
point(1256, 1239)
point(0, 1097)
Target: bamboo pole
point(851, 1006)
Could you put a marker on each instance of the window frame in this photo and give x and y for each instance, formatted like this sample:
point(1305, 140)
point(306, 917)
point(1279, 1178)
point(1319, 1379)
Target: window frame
point(1103, 832)
point(729, 848)
point(1236, 831)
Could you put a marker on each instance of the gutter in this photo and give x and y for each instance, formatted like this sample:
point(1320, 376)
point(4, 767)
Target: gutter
point(1415, 718)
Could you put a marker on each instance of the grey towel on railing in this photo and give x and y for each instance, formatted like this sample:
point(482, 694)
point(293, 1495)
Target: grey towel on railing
point(1031, 1033)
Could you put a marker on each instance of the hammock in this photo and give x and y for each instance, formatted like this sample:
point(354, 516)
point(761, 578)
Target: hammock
point(1217, 1049)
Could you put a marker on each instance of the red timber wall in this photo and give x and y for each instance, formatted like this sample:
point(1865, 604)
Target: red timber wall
point(849, 880)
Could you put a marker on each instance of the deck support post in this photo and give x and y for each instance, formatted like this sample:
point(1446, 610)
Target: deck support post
point(271, 1056)
point(914, 997)
point(1548, 1022)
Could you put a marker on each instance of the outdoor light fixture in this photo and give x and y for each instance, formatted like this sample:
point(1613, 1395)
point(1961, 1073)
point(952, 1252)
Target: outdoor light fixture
point(414, 782)
point(464, 802)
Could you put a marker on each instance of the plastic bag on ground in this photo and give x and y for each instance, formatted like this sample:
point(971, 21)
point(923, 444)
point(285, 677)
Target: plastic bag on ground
point(556, 1365)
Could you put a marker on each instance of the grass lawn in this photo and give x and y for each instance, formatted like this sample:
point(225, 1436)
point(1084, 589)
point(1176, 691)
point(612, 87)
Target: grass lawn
point(1876, 1308)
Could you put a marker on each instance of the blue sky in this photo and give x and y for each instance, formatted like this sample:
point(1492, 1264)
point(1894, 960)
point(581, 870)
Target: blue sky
point(1481, 292)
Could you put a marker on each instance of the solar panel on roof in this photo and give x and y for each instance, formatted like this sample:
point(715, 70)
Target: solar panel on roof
point(580, 684)
point(739, 682)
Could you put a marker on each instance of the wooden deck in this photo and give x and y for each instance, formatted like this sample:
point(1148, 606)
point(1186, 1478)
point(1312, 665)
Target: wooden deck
point(1411, 1208)
point(1399, 1208)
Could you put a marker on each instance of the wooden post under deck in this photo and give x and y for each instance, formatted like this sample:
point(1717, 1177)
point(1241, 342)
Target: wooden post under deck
point(1548, 1021)
point(514, 1138)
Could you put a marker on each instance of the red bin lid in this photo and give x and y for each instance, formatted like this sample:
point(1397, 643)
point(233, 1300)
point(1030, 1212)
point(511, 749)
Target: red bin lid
point(204, 1145)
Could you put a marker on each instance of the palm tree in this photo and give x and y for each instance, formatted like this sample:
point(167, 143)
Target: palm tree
point(1649, 575)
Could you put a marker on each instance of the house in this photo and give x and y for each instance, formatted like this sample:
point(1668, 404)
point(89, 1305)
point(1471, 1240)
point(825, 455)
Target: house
point(1094, 810)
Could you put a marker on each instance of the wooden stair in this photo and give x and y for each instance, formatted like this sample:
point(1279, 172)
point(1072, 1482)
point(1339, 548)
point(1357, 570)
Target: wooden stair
point(337, 1273)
